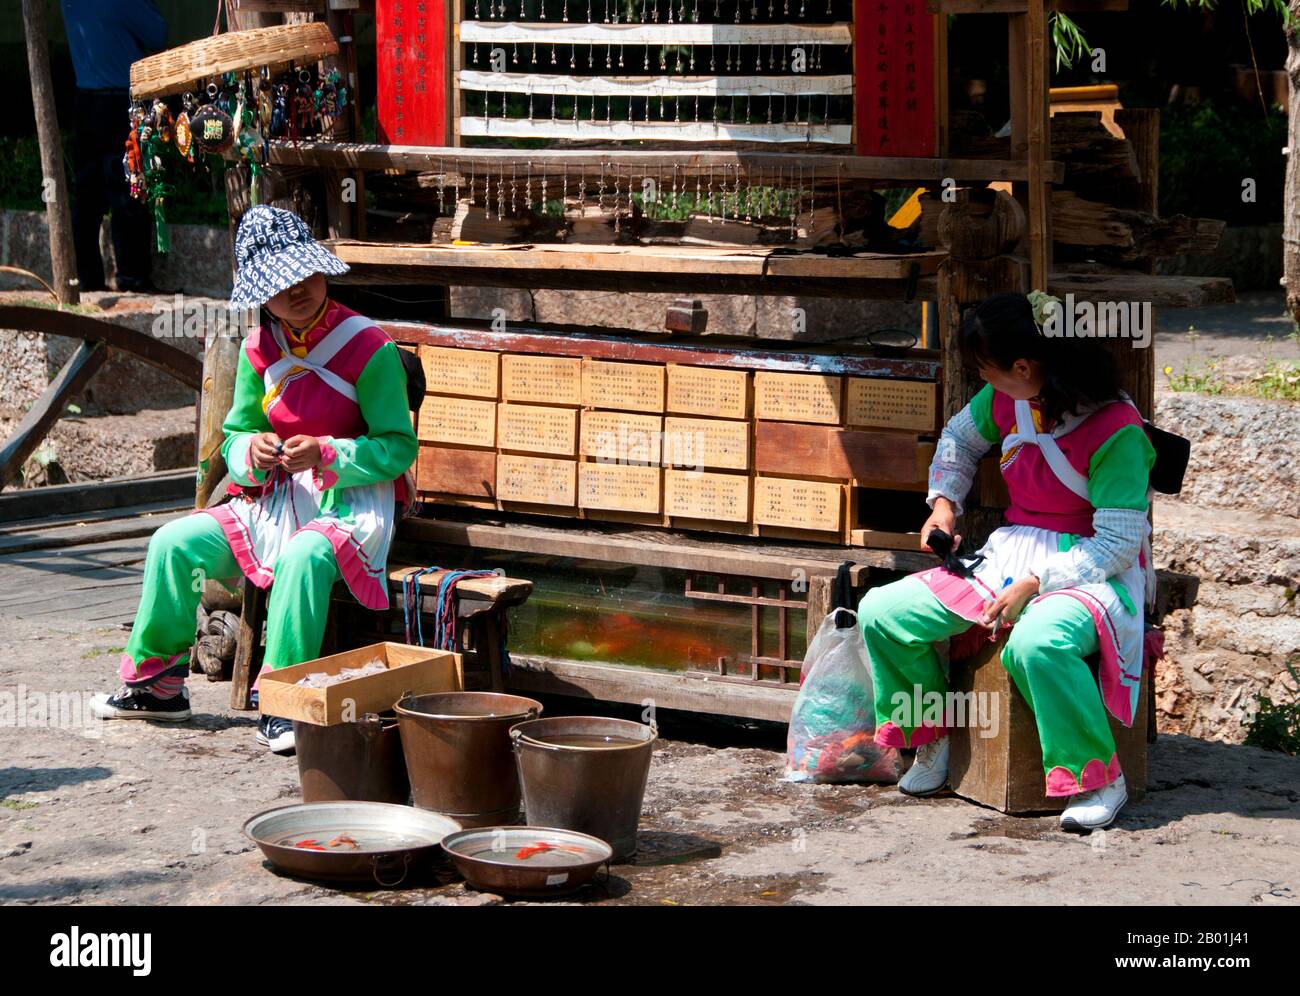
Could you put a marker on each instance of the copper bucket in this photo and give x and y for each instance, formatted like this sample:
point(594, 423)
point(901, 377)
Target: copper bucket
point(352, 762)
point(585, 773)
point(458, 756)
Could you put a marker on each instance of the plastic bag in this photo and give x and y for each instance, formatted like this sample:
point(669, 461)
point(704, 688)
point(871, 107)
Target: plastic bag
point(832, 725)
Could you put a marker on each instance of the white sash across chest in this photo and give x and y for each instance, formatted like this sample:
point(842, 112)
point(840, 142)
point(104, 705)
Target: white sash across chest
point(1048, 446)
point(317, 357)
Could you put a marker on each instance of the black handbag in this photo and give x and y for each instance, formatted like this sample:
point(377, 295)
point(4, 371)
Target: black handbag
point(1172, 455)
point(414, 378)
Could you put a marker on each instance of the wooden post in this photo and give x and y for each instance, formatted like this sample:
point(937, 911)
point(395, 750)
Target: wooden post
point(979, 230)
point(58, 213)
point(1038, 124)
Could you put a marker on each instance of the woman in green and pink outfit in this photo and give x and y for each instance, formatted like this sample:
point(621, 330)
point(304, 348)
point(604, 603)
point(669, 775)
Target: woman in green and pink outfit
point(318, 443)
point(1070, 571)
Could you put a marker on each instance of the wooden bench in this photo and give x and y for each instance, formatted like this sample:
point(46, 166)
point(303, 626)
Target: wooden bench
point(480, 605)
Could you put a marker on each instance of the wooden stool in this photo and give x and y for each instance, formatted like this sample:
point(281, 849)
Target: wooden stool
point(1006, 771)
point(480, 603)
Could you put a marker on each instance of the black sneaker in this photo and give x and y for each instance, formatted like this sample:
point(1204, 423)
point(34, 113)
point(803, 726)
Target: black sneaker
point(276, 733)
point(139, 703)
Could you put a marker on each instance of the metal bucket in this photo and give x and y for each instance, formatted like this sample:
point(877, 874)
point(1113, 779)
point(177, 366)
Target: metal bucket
point(352, 762)
point(590, 786)
point(457, 747)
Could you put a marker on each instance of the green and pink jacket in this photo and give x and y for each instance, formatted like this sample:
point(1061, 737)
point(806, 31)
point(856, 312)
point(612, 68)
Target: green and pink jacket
point(345, 385)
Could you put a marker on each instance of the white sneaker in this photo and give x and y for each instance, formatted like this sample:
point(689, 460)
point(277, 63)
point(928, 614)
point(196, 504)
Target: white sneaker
point(1093, 810)
point(929, 772)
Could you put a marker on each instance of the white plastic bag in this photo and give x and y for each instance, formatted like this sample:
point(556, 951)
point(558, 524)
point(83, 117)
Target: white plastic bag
point(832, 725)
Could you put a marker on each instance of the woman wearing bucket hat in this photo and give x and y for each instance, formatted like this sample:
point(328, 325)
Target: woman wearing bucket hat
point(319, 444)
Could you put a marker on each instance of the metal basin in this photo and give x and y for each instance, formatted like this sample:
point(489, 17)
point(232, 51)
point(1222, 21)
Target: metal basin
point(526, 861)
point(392, 843)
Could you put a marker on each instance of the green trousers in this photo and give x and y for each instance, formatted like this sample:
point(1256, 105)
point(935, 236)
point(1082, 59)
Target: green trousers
point(186, 552)
point(1045, 656)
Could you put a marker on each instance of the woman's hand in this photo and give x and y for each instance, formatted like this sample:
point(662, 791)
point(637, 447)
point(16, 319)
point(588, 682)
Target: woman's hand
point(264, 450)
point(301, 453)
point(1006, 608)
point(944, 517)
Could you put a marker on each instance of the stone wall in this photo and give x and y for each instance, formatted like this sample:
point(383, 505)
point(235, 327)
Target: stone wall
point(1236, 527)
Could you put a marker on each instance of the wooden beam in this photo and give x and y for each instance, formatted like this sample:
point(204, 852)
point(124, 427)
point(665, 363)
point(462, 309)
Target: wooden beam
point(117, 492)
point(640, 268)
point(1022, 6)
point(709, 351)
point(690, 692)
point(659, 549)
point(31, 430)
point(1038, 134)
point(821, 167)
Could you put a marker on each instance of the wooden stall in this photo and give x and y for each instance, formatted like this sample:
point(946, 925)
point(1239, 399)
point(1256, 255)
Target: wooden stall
point(681, 500)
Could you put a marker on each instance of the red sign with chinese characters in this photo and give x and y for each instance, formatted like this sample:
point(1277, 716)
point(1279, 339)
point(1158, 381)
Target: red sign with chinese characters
point(411, 45)
point(893, 78)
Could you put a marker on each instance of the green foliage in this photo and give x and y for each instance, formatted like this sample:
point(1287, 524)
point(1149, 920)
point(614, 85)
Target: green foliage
point(1208, 149)
point(1276, 726)
point(1068, 40)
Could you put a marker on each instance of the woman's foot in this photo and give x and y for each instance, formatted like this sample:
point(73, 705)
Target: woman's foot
point(1093, 810)
point(133, 702)
point(276, 733)
point(929, 772)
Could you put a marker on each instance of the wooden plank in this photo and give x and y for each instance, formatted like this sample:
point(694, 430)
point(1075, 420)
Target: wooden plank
point(74, 535)
point(461, 371)
point(704, 496)
point(635, 387)
point(536, 480)
point(711, 351)
point(555, 380)
point(1021, 6)
point(798, 397)
point(622, 437)
point(799, 504)
point(591, 162)
point(115, 492)
point(718, 444)
point(537, 429)
point(668, 690)
point(94, 520)
point(448, 470)
point(891, 404)
point(825, 451)
point(461, 421)
point(665, 260)
point(619, 487)
point(657, 548)
point(495, 589)
point(708, 391)
point(1161, 291)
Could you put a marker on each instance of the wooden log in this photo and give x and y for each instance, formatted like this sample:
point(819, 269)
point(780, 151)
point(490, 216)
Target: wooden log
point(1106, 233)
point(58, 210)
point(980, 224)
point(31, 430)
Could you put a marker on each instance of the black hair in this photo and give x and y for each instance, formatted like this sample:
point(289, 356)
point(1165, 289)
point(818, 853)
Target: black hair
point(1077, 371)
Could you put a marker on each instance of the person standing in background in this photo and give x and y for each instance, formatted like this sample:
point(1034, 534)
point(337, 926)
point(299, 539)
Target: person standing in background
point(105, 37)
